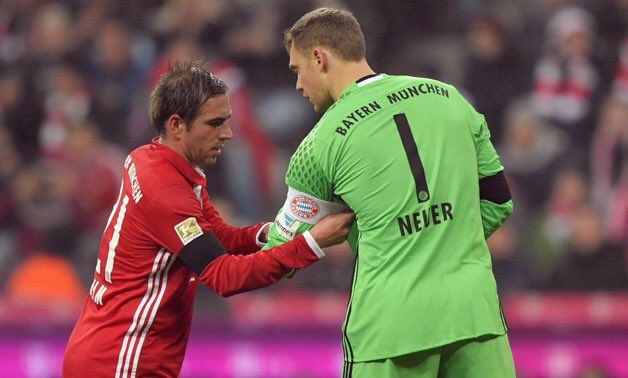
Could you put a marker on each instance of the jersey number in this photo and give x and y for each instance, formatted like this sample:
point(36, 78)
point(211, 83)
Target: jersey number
point(412, 153)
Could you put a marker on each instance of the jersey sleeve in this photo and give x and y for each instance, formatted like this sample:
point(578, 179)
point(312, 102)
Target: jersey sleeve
point(305, 171)
point(489, 165)
point(228, 274)
point(175, 218)
point(309, 195)
point(236, 240)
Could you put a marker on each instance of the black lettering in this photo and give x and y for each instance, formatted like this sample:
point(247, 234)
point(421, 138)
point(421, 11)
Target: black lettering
point(352, 117)
point(446, 209)
point(438, 90)
point(404, 94)
point(404, 227)
point(430, 88)
point(392, 98)
point(445, 92)
point(366, 110)
point(358, 112)
point(426, 218)
point(413, 91)
point(417, 221)
point(435, 214)
point(341, 131)
point(347, 123)
point(421, 89)
point(375, 106)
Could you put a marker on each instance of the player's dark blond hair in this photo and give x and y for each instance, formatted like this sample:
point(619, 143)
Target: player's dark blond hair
point(335, 29)
point(183, 90)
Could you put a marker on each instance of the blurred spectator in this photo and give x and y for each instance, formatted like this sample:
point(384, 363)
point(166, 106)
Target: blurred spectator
point(621, 73)
point(618, 216)
point(42, 197)
point(51, 39)
point(609, 159)
point(551, 231)
point(591, 263)
point(10, 165)
point(493, 74)
point(94, 167)
point(505, 251)
point(67, 102)
point(200, 20)
point(20, 113)
point(254, 39)
point(532, 151)
point(115, 78)
point(568, 77)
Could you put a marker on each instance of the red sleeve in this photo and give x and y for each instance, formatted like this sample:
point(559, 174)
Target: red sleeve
point(229, 275)
point(236, 240)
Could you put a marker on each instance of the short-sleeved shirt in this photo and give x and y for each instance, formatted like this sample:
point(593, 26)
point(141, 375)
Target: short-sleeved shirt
point(406, 155)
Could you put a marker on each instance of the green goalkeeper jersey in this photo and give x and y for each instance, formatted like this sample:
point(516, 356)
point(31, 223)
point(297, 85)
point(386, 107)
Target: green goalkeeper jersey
point(406, 155)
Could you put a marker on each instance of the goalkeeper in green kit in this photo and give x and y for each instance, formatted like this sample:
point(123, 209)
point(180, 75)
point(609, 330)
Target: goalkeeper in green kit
point(414, 161)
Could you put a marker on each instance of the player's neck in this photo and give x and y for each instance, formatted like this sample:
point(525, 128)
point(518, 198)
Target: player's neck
point(174, 147)
point(347, 74)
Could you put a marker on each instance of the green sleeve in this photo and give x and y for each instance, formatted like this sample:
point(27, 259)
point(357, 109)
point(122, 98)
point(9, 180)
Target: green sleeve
point(305, 175)
point(284, 229)
point(493, 214)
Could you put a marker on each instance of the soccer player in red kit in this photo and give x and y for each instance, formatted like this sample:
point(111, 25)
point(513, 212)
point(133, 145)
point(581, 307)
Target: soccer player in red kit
point(164, 236)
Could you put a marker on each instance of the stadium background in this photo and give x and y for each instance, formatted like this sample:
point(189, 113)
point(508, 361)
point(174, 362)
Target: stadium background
point(551, 76)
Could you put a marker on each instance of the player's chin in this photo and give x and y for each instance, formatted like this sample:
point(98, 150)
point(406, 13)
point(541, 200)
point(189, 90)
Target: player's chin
point(322, 106)
point(210, 160)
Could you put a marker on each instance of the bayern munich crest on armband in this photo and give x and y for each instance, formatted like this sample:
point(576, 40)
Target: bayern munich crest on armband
point(304, 207)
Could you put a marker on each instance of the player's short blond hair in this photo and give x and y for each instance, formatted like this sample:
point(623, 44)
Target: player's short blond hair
point(335, 29)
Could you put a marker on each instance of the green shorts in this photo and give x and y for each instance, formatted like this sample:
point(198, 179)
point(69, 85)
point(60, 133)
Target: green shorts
point(482, 357)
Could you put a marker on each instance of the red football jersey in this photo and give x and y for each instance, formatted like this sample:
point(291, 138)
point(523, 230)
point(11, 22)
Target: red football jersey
point(137, 318)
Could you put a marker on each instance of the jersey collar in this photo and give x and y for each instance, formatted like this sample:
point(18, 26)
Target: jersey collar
point(361, 82)
point(192, 174)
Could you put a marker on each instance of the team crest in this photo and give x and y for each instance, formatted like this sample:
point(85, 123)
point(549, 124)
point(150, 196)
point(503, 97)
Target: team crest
point(188, 230)
point(304, 207)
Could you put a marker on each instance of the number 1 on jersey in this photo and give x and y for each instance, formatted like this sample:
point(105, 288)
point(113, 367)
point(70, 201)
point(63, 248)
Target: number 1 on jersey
point(412, 153)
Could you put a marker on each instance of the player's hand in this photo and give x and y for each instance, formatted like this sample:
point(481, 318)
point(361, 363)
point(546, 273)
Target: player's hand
point(263, 236)
point(333, 229)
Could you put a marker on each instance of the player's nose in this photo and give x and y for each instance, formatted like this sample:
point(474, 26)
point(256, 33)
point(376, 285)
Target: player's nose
point(226, 133)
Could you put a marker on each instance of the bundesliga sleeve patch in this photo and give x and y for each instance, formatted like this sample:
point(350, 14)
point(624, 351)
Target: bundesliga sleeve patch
point(188, 230)
point(308, 209)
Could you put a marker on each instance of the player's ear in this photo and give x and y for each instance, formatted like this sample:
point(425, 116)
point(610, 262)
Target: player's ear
point(321, 59)
point(175, 126)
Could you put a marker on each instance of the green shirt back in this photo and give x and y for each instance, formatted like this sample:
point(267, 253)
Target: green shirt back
point(406, 155)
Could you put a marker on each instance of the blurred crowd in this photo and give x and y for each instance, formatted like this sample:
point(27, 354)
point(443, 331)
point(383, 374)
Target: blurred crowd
point(551, 77)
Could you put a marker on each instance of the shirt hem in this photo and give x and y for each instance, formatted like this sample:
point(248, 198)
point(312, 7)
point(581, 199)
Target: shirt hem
point(384, 356)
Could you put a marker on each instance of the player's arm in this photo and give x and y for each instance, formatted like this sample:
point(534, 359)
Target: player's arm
point(495, 199)
point(300, 212)
point(177, 223)
point(236, 240)
point(232, 274)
